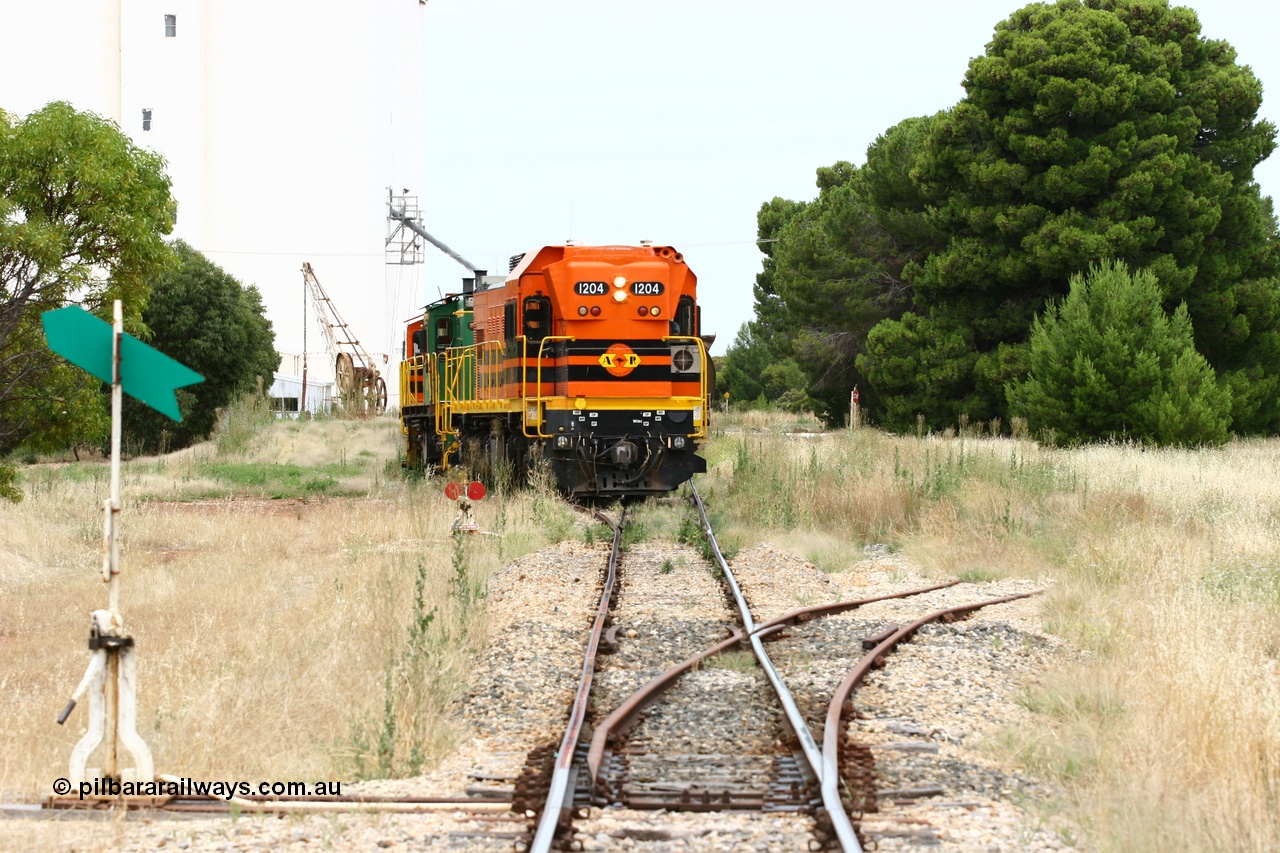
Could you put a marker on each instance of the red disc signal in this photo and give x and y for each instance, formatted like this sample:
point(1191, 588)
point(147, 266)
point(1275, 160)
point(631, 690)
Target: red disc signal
point(475, 490)
point(452, 491)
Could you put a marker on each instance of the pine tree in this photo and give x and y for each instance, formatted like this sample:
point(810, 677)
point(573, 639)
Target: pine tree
point(1109, 363)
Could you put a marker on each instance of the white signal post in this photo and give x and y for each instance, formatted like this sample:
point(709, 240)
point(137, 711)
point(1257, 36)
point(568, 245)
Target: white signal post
point(854, 420)
point(111, 551)
point(111, 679)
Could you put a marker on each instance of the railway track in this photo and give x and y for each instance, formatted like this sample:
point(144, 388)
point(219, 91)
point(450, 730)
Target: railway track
point(682, 727)
point(761, 762)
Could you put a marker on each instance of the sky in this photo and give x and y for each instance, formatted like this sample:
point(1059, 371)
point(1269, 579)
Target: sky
point(674, 120)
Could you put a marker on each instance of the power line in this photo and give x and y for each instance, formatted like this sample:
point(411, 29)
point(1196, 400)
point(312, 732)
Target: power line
point(297, 254)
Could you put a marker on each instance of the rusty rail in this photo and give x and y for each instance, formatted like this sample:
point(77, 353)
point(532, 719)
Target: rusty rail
point(804, 614)
point(560, 799)
point(833, 732)
point(813, 754)
point(280, 805)
point(625, 714)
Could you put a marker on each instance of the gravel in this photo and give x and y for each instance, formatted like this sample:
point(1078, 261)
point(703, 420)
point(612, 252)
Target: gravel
point(931, 717)
point(717, 729)
point(933, 713)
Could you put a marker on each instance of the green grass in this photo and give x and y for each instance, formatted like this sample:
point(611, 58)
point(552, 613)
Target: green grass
point(979, 574)
point(263, 480)
point(1244, 581)
point(633, 532)
point(734, 660)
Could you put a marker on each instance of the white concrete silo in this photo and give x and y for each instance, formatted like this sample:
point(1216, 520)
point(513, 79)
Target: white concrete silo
point(283, 123)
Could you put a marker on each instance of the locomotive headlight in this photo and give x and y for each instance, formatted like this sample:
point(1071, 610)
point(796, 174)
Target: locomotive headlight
point(655, 311)
point(677, 442)
point(619, 296)
point(582, 310)
point(620, 281)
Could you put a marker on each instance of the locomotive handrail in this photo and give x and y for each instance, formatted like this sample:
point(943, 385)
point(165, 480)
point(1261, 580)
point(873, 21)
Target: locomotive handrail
point(704, 392)
point(524, 356)
point(408, 367)
point(537, 397)
point(489, 376)
point(415, 368)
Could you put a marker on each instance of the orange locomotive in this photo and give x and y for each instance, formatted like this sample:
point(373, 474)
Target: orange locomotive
point(590, 356)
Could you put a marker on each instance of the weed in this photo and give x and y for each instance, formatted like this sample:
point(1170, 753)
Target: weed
point(978, 574)
point(242, 423)
point(633, 532)
point(690, 531)
point(9, 484)
point(735, 660)
point(667, 567)
point(461, 588)
point(407, 689)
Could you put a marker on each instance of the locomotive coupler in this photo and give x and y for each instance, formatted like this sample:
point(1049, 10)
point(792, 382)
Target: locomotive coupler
point(624, 454)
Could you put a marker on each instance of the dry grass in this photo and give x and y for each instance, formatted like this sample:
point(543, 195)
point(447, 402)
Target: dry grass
point(1164, 569)
point(278, 639)
point(284, 639)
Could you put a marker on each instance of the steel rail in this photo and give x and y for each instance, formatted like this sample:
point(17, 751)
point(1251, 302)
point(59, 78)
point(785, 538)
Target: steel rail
point(300, 805)
point(813, 754)
point(805, 614)
point(560, 795)
point(625, 714)
point(833, 731)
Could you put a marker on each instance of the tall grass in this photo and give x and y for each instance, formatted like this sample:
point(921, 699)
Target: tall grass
point(1162, 569)
point(316, 637)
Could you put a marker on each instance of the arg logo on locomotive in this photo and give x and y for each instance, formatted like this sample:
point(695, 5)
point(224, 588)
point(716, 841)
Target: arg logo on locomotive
point(619, 360)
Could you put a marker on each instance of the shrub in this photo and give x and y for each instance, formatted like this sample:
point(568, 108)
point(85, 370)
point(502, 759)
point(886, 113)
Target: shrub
point(1108, 362)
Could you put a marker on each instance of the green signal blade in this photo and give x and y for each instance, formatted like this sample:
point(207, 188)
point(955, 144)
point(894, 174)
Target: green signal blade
point(81, 339)
point(146, 373)
point(151, 376)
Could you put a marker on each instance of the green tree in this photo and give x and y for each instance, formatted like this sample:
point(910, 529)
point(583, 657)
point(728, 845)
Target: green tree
point(773, 323)
point(754, 372)
point(744, 364)
point(203, 317)
point(83, 214)
point(1091, 129)
point(839, 262)
point(1109, 362)
point(767, 340)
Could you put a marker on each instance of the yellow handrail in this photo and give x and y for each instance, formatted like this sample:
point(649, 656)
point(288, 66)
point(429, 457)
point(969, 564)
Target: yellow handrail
point(704, 392)
point(407, 368)
point(489, 357)
point(537, 395)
